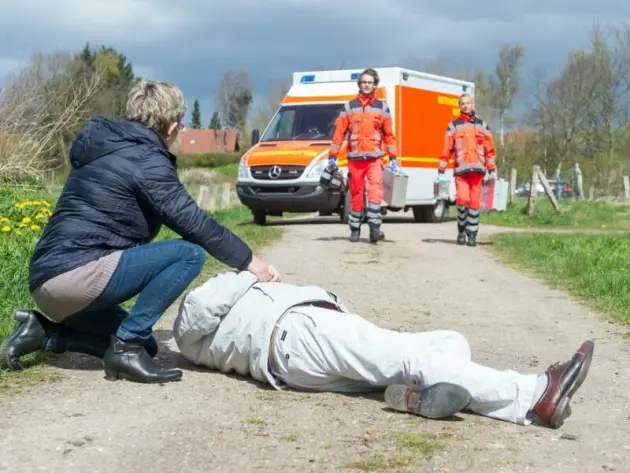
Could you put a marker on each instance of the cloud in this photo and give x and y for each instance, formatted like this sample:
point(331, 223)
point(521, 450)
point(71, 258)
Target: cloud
point(132, 21)
point(194, 42)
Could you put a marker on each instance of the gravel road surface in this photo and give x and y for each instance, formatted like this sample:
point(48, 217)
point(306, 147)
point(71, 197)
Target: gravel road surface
point(212, 422)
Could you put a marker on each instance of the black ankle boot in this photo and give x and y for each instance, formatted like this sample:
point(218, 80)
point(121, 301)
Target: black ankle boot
point(461, 238)
point(130, 360)
point(376, 235)
point(355, 236)
point(30, 336)
point(472, 240)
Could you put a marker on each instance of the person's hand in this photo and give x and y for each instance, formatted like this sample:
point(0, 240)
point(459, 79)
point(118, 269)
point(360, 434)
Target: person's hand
point(332, 162)
point(262, 271)
point(492, 175)
point(276, 274)
point(393, 163)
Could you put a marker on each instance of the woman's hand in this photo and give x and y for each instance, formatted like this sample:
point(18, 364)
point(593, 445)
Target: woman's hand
point(262, 271)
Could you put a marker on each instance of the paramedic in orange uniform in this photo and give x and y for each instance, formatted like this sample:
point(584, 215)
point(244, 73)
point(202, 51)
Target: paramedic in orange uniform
point(468, 142)
point(366, 123)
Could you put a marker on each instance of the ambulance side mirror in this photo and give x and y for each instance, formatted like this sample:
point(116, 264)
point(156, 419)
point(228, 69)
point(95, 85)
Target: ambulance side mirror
point(255, 136)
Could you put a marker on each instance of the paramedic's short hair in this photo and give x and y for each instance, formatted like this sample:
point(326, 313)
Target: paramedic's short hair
point(369, 72)
point(464, 95)
point(156, 104)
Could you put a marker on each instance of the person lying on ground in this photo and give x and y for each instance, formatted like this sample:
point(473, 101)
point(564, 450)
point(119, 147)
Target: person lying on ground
point(96, 252)
point(303, 337)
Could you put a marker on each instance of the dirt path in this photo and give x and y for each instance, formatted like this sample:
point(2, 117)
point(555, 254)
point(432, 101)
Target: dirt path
point(219, 423)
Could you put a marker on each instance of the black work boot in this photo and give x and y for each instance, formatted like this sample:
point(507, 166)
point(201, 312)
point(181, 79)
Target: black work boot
point(472, 239)
point(461, 238)
point(129, 360)
point(437, 401)
point(30, 336)
point(376, 235)
point(355, 235)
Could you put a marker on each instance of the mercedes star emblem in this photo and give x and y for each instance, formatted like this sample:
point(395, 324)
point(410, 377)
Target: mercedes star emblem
point(274, 172)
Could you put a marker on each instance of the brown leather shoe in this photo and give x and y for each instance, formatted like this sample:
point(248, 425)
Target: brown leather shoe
point(552, 409)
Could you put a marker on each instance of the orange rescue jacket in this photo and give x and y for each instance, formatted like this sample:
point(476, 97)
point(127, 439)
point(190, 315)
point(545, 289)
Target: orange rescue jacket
point(468, 142)
point(366, 123)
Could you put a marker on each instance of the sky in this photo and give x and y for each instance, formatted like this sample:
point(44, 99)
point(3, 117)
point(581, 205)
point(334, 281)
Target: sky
point(194, 42)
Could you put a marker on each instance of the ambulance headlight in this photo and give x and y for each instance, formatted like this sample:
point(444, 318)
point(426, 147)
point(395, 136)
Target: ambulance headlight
point(243, 170)
point(317, 169)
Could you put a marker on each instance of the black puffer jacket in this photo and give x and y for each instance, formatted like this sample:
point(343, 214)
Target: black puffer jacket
point(122, 187)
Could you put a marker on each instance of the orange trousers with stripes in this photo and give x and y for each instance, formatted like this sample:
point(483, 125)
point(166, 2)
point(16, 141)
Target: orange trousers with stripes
point(469, 188)
point(370, 170)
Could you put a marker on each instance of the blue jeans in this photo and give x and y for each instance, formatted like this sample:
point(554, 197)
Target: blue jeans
point(158, 273)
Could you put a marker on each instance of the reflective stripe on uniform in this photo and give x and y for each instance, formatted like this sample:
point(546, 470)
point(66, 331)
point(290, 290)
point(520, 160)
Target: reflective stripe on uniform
point(472, 223)
point(374, 217)
point(354, 220)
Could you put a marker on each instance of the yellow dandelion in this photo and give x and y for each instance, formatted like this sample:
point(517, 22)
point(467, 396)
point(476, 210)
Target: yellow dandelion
point(6, 228)
point(39, 216)
point(18, 233)
point(22, 225)
point(35, 227)
point(26, 220)
point(19, 205)
point(3, 220)
point(36, 202)
point(46, 203)
point(603, 225)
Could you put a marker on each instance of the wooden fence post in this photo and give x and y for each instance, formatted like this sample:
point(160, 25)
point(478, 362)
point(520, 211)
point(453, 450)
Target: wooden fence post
point(202, 196)
point(512, 184)
point(626, 187)
point(533, 191)
point(579, 181)
point(225, 195)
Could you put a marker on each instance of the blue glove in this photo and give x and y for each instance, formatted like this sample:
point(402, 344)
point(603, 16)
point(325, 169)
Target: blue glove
point(332, 161)
point(441, 177)
point(492, 175)
point(393, 163)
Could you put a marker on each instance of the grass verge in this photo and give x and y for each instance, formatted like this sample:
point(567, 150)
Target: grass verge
point(574, 214)
point(23, 215)
point(594, 269)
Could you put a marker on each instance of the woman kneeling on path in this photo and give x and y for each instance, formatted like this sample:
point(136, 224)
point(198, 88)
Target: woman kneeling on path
point(95, 252)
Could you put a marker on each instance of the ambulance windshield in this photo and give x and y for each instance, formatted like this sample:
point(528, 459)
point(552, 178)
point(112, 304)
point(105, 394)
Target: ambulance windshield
point(303, 123)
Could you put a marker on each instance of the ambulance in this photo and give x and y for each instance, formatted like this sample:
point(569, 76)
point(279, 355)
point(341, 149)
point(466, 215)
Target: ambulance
point(280, 172)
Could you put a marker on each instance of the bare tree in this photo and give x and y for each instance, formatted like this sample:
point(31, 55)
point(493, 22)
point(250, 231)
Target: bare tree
point(276, 94)
point(234, 99)
point(505, 83)
point(39, 105)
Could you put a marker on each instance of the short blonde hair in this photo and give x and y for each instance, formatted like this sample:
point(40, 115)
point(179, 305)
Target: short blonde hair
point(464, 95)
point(156, 104)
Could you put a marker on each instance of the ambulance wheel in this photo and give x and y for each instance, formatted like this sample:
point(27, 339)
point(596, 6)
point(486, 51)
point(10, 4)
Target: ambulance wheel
point(431, 213)
point(345, 208)
point(260, 217)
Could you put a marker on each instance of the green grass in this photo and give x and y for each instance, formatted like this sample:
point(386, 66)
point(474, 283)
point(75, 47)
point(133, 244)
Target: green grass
point(595, 269)
point(574, 214)
point(15, 251)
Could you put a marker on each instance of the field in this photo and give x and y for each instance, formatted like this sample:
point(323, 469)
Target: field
point(574, 215)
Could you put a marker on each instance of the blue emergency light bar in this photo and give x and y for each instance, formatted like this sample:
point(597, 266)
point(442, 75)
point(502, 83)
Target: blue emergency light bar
point(305, 79)
point(354, 76)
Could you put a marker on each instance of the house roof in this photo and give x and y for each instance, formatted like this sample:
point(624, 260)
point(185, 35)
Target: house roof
point(196, 141)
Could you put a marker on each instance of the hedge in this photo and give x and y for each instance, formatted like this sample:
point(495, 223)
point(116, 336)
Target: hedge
point(207, 160)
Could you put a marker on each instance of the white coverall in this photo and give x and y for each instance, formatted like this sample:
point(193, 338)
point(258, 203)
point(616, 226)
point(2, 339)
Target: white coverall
point(227, 324)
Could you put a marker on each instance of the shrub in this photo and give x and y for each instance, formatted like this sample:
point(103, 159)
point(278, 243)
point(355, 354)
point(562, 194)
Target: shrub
point(210, 160)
